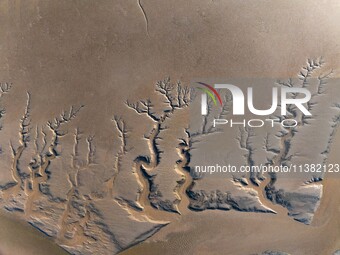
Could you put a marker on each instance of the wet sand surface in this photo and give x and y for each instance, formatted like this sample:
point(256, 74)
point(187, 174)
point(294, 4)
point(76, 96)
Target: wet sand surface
point(19, 238)
point(211, 232)
point(103, 54)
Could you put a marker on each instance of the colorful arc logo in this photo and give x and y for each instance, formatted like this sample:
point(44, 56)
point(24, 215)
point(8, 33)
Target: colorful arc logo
point(211, 92)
